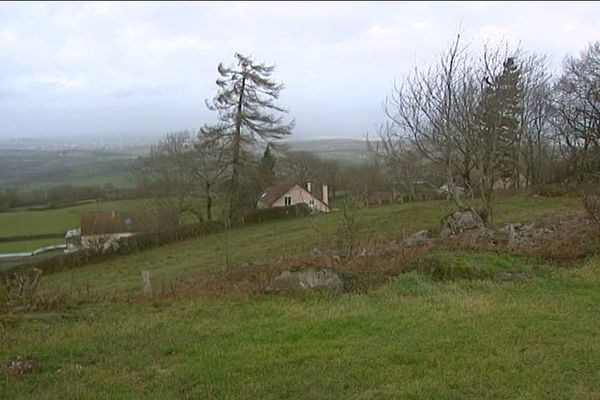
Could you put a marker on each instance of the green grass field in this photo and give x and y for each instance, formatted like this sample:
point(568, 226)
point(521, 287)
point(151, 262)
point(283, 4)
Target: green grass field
point(21, 223)
point(294, 237)
point(535, 337)
point(27, 245)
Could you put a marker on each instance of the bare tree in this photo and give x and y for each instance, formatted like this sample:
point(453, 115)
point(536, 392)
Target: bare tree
point(210, 168)
point(472, 119)
point(577, 112)
point(165, 175)
point(536, 143)
point(431, 111)
point(179, 171)
point(246, 107)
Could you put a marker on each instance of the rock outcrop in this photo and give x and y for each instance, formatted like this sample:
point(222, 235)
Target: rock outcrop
point(459, 222)
point(311, 278)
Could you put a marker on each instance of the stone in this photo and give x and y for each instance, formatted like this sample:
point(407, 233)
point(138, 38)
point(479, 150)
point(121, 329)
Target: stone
point(418, 239)
point(315, 252)
point(519, 234)
point(459, 222)
point(482, 233)
point(312, 278)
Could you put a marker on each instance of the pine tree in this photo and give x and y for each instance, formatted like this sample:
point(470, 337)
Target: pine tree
point(509, 95)
point(498, 115)
point(247, 114)
point(267, 167)
point(499, 128)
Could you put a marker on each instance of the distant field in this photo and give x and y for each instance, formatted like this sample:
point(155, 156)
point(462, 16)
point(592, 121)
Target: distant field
point(118, 180)
point(351, 151)
point(22, 223)
point(27, 245)
point(32, 169)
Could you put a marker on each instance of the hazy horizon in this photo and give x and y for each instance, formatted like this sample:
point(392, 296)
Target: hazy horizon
point(109, 69)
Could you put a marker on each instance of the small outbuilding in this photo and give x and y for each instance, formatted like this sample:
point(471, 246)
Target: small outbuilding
point(378, 198)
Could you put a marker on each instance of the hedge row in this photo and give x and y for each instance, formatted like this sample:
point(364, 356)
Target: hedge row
point(268, 214)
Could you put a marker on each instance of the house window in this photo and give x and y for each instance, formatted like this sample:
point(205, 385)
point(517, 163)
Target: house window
point(287, 200)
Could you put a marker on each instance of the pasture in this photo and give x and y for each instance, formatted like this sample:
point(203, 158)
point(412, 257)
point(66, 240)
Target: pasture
point(413, 337)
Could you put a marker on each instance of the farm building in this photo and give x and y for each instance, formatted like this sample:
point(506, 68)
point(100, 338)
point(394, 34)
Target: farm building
point(289, 194)
point(378, 198)
point(104, 229)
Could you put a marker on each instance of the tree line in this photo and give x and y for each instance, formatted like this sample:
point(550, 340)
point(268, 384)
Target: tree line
point(474, 121)
point(482, 119)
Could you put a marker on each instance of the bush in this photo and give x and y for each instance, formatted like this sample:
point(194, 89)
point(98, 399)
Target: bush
point(591, 203)
point(20, 288)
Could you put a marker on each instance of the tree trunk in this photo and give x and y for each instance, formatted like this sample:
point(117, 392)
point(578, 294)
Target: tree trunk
point(208, 203)
point(237, 138)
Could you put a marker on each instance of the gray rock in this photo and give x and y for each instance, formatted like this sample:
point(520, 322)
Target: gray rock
point(519, 234)
point(309, 279)
point(482, 233)
point(315, 252)
point(459, 222)
point(418, 238)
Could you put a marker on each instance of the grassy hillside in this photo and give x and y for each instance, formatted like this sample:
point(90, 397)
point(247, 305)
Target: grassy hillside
point(295, 237)
point(412, 338)
point(534, 336)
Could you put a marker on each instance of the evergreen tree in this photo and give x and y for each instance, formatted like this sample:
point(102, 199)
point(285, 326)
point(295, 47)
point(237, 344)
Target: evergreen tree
point(248, 114)
point(500, 109)
point(498, 133)
point(267, 167)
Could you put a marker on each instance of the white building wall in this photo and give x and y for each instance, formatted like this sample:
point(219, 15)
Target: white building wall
point(300, 195)
point(103, 242)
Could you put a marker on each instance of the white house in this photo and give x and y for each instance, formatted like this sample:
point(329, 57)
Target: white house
point(289, 194)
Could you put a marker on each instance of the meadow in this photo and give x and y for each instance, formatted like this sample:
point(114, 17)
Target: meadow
point(414, 337)
point(296, 237)
point(28, 223)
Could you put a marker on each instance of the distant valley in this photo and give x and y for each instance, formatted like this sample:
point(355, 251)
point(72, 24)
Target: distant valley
point(41, 163)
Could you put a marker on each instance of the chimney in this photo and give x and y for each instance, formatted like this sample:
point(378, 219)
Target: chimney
point(309, 187)
point(325, 195)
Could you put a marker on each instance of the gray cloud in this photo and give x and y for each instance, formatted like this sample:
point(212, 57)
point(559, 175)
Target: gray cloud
point(118, 67)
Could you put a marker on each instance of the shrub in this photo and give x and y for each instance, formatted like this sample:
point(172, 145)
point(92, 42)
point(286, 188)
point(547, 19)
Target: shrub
point(20, 288)
point(347, 232)
point(591, 203)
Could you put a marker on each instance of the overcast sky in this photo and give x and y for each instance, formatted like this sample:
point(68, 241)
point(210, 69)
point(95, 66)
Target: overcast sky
point(119, 68)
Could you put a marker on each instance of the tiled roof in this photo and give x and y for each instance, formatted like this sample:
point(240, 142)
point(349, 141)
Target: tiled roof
point(272, 193)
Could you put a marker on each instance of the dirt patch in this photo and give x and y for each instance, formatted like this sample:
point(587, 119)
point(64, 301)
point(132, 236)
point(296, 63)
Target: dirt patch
point(17, 367)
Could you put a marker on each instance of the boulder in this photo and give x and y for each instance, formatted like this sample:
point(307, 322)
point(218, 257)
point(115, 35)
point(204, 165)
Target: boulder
point(519, 234)
point(460, 221)
point(312, 278)
point(418, 238)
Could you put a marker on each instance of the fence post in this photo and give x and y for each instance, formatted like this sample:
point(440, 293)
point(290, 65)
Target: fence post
point(147, 282)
